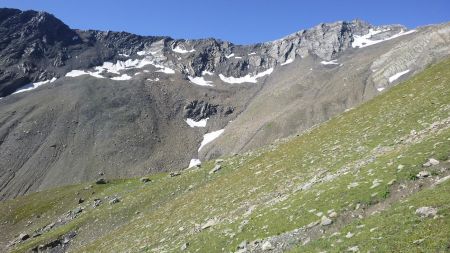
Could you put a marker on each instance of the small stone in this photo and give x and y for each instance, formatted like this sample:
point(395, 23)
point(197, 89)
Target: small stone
point(174, 174)
point(80, 200)
point(349, 235)
point(24, 236)
point(216, 169)
point(353, 249)
point(426, 212)
point(77, 210)
point(101, 181)
point(184, 246)
point(145, 179)
point(242, 245)
point(417, 242)
point(423, 174)
point(219, 161)
point(325, 221)
point(332, 215)
point(431, 162)
point(266, 246)
point(97, 202)
point(114, 201)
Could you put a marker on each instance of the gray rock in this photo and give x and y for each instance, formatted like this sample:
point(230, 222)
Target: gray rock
point(184, 246)
point(216, 168)
point(266, 246)
point(24, 236)
point(423, 174)
point(145, 179)
point(101, 181)
point(426, 212)
point(175, 174)
point(242, 245)
point(114, 200)
point(96, 203)
point(325, 221)
point(431, 162)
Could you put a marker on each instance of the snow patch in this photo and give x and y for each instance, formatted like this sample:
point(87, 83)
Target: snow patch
point(180, 50)
point(121, 78)
point(199, 80)
point(200, 123)
point(397, 76)
point(252, 53)
point(365, 41)
point(238, 57)
point(194, 162)
point(245, 79)
point(229, 56)
point(209, 137)
point(205, 72)
point(332, 62)
point(124, 55)
point(287, 62)
point(380, 89)
point(33, 86)
point(153, 80)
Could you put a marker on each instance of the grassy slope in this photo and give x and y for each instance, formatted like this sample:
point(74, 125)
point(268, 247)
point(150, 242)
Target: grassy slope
point(256, 195)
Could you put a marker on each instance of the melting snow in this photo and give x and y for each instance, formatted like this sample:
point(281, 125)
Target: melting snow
point(180, 50)
point(287, 62)
point(229, 56)
point(194, 162)
point(205, 72)
point(332, 62)
point(200, 123)
point(365, 41)
point(199, 80)
point(245, 79)
point(33, 86)
point(209, 137)
point(397, 76)
point(165, 69)
point(252, 53)
point(122, 77)
point(380, 89)
point(238, 57)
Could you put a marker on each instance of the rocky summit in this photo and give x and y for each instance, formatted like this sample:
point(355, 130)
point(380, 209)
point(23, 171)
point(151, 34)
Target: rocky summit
point(330, 139)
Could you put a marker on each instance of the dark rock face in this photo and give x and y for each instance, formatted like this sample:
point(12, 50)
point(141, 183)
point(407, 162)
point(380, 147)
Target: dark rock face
point(198, 110)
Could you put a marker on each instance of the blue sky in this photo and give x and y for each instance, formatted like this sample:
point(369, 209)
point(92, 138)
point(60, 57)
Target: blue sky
point(238, 21)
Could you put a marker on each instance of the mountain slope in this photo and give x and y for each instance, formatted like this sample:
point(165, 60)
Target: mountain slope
point(78, 103)
point(359, 170)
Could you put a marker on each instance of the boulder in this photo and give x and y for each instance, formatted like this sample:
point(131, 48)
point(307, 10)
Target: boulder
point(114, 200)
point(24, 236)
point(184, 246)
point(325, 221)
point(101, 181)
point(145, 179)
point(216, 168)
point(426, 212)
point(423, 174)
point(266, 246)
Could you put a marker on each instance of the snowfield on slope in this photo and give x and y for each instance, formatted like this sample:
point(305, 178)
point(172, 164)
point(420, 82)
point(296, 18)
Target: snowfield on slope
point(365, 40)
point(209, 137)
point(245, 79)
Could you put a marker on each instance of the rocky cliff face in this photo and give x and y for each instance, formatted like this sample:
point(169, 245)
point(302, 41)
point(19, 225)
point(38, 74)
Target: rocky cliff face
point(127, 105)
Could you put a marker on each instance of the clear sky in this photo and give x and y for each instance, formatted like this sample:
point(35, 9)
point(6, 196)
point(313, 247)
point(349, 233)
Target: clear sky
point(238, 21)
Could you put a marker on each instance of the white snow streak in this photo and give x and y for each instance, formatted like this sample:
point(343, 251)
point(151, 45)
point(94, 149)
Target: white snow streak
point(245, 79)
point(205, 72)
point(121, 78)
point(180, 50)
point(200, 123)
point(332, 62)
point(199, 80)
point(209, 137)
point(397, 76)
point(380, 89)
point(33, 86)
point(287, 62)
point(229, 56)
point(365, 41)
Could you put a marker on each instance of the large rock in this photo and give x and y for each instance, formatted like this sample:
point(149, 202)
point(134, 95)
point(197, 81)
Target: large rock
point(426, 212)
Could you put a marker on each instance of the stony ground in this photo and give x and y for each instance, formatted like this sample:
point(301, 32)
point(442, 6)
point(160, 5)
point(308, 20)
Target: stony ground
point(374, 179)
